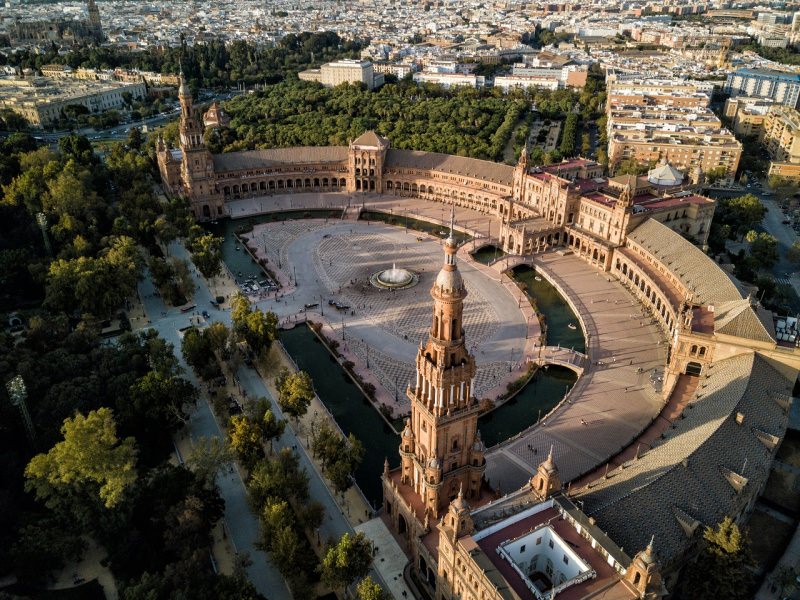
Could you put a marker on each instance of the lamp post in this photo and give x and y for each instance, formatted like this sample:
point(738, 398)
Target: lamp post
point(18, 394)
point(395, 388)
point(41, 220)
point(321, 307)
point(511, 362)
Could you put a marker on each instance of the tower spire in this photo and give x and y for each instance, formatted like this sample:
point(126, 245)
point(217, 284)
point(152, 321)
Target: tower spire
point(452, 222)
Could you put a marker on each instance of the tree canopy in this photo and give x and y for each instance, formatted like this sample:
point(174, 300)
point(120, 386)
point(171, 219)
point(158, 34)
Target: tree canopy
point(347, 560)
point(90, 456)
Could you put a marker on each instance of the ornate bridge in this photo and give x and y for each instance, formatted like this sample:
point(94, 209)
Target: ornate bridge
point(564, 357)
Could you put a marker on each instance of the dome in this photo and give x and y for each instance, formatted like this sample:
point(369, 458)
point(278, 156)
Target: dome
point(407, 432)
point(433, 463)
point(665, 174)
point(449, 282)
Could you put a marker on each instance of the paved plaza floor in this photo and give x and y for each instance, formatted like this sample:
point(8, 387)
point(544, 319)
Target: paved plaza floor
point(334, 260)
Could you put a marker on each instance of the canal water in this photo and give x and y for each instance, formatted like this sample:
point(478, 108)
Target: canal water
point(440, 231)
point(351, 409)
point(239, 261)
point(487, 254)
point(537, 398)
point(557, 313)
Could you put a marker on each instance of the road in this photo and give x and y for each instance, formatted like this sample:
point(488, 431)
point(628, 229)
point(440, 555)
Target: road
point(242, 524)
point(785, 235)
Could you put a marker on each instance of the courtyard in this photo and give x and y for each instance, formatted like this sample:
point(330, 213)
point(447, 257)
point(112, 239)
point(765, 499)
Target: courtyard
point(332, 259)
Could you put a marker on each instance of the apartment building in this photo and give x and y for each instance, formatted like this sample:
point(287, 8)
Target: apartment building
point(747, 114)
point(781, 138)
point(778, 86)
point(448, 80)
point(651, 121)
point(344, 71)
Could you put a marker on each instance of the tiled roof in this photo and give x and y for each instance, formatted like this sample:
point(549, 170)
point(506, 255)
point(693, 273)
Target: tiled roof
point(690, 479)
point(740, 319)
point(254, 159)
point(460, 165)
point(695, 270)
point(370, 138)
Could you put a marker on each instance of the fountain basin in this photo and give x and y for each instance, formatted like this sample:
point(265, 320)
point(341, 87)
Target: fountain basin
point(394, 279)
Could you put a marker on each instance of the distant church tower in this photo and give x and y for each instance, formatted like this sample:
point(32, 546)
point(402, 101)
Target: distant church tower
point(197, 164)
point(94, 20)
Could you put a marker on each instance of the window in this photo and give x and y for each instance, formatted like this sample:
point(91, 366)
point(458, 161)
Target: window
point(522, 549)
point(550, 543)
point(565, 559)
point(538, 541)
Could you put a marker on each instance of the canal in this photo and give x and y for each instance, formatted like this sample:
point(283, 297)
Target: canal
point(545, 389)
point(397, 220)
point(487, 254)
point(557, 313)
point(351, 409)
point(355, 413)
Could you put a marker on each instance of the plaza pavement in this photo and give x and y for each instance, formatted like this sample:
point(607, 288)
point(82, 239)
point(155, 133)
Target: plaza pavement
point(383, 329)
point(611, 403)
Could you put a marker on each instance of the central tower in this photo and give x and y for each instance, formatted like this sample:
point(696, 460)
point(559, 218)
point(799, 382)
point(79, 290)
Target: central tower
point(441, 450)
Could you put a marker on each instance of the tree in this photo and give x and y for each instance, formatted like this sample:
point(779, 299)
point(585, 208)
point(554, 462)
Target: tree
point(209, 457)
point(207, 254)
point(783, 186)
point(743, 212)
point(793, 253)
point(159, 398)
point(345, 463)
point(723, 567)
point(295, 392)
point(275, 516)
point(278, 477)
point(284, 549)
point(348, 560)
point(90, 458)
point(245, 440)
point(258, 329)
point(763, 248)
point(272, 427)
point(369, 590)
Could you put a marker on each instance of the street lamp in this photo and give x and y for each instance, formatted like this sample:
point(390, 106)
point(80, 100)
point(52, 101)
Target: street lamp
point(321, 307)
point(18, 394)
point(395, 388)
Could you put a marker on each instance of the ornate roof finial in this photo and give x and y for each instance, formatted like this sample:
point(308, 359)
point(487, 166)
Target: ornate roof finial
point(452, 219)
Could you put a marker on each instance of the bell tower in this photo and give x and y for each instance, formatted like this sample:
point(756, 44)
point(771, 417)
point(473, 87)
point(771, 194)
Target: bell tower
point(441, 449)
point(197, 164)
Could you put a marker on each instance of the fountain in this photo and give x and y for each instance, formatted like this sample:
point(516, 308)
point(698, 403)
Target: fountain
point(394, 278)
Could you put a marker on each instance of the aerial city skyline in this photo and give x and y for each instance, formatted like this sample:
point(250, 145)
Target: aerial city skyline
point(410, 300)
